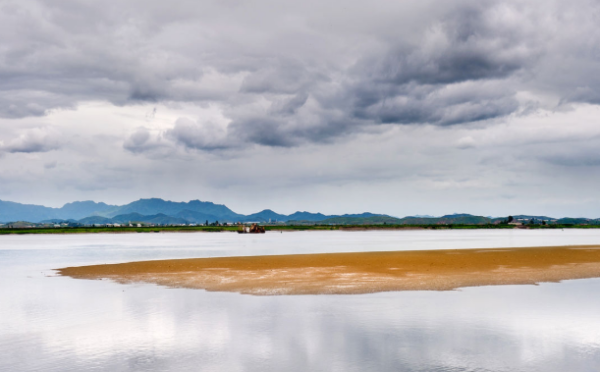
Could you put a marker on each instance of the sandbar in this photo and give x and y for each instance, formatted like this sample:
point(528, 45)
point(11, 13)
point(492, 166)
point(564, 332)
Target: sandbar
point(357, 273)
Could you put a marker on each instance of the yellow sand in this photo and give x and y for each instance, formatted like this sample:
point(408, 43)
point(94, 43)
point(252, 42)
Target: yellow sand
point(365, 272)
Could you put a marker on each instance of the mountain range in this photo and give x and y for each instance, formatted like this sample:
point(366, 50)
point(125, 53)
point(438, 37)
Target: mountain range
point(10, 211)
point(152, 210)
point(162, 212)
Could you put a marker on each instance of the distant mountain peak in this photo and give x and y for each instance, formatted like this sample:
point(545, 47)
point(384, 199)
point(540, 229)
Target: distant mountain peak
point(458, 215)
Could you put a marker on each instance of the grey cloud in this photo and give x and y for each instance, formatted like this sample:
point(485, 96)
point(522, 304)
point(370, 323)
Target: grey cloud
point(193, 135)
point(51, 165)
point(143, 140)
point(34, 140)
point(434, 105)
point(276, 128)
point(281, 76)
point(264, 130)
point(58, 54)
point(466, 143)
point(288, 76)
point(289, 106)
point(311, 123)
point(582, 157)
point(461, 71)
point(469, 44)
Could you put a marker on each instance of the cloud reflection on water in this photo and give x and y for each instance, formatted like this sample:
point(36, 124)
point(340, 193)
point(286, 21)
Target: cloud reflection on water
point(100, 326)
point(61, 324)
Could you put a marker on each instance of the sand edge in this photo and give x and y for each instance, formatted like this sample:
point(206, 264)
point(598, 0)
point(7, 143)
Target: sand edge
point(355, 273)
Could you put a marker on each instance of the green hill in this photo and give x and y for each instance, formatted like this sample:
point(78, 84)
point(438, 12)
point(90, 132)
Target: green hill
point(380, 219)
point(447, 220)
point(374, 220)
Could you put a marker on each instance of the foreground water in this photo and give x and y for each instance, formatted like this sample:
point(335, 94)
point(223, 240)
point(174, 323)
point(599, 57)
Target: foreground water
point(50, 323)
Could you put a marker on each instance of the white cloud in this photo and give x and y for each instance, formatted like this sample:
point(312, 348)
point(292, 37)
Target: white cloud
point(34, 140)
point(466, 143)
point(194, 135)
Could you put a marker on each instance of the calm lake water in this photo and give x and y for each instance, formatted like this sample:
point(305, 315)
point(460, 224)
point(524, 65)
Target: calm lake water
point(50, 323)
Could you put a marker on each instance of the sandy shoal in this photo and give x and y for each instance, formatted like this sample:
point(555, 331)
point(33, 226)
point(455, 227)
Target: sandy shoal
point(352, 273)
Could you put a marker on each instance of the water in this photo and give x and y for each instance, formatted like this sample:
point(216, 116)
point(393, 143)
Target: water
point(50, 323)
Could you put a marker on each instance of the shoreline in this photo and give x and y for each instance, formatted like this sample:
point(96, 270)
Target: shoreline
point(291, 228)
point(356, 273)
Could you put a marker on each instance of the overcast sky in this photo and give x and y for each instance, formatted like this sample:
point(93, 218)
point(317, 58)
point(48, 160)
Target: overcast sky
point(399, 107)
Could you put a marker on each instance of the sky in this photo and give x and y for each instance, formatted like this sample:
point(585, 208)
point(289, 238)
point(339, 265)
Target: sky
point(399, 107)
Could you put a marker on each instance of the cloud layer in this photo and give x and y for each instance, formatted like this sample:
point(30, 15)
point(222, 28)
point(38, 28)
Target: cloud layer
point(466, 95)
point(300, 73)
point(33, 140)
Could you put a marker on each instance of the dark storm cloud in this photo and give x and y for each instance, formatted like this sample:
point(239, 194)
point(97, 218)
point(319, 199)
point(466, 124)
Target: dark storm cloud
point(459, 72)
point(284, 77)
point(462, 70)
point(413, 104)
point(468, 44)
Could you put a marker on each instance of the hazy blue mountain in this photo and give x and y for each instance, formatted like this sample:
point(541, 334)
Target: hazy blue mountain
point(369, 218)
point(163, 219)
point(195, 211)
point(161, 211)
point(265, 216)
point(130, 217)
point(307, 216)
point(527, 217)
point(155, 206)
point(362, 215)
point(199, 217)
point(158, 219)
point(81, 209)
point(373, 219)
point(94, 220)
point(10, 211)
point(57, 220)
point(457, 219)
point(455, 215)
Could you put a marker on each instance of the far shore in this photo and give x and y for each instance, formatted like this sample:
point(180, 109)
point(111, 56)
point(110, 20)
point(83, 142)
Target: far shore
point(273, 228)
point(202, 229)
point(356, 273)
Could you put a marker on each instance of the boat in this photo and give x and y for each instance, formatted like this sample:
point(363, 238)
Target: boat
point(254, 229)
